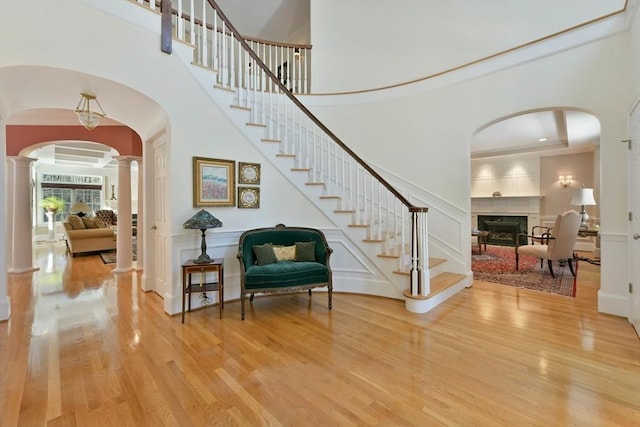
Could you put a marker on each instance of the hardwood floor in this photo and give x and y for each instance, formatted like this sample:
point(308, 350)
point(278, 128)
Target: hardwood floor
point(84, 347)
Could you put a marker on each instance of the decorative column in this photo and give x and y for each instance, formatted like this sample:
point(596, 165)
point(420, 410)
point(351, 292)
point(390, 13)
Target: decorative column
point(22, 260)
point(124, 252)
point(8, 211)
point(140, 228)
point(5, 301)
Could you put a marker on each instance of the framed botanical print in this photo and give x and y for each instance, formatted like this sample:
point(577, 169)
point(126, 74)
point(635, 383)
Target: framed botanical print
point(248, 173)
point(248, 197)
point(213, 182)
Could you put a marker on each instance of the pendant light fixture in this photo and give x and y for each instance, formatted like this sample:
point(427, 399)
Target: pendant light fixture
point(89, 115)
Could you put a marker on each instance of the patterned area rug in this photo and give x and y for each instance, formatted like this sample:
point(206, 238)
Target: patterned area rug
point(498, 265)
point(110, 257)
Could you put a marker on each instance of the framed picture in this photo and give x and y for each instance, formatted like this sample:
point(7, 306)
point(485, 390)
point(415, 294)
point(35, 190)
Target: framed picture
point(248, 173)
point(248, 197)
point(213, 182)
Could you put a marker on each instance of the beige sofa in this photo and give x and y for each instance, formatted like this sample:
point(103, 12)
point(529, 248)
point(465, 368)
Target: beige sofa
point(88, 234)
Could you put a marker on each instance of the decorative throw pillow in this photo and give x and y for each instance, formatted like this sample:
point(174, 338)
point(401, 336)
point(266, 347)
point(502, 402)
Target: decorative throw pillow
point(306, 251)
point(76, 222)
point(100, 223)
point(285, 253)
point(89, 222)
point(264, 254)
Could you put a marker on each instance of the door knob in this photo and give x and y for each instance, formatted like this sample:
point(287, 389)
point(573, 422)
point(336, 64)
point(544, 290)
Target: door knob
point(636, 236)
point(154, 227)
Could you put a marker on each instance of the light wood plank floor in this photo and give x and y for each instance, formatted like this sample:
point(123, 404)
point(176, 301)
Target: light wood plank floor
point(87, 348)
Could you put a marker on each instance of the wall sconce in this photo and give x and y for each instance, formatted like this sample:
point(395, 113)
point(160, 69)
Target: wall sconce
point(565, 181)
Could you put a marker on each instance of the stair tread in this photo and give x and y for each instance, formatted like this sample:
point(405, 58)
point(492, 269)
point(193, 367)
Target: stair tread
point(330, 197)
point(270, 140)
point(438, 284)
point(227, 88)
point(285, 155)
point(240, 107)
point(344, 211)
point(300, 169)
point(256, 124)
point(433, 262)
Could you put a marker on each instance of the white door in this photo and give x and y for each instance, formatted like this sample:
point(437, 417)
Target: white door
point(634, 209)
point(160, 224)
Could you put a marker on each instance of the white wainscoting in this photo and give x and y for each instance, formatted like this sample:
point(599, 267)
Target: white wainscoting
point(352, 271)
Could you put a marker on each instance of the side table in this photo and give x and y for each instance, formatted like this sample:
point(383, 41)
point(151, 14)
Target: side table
point(482, 237)
point(189, 268)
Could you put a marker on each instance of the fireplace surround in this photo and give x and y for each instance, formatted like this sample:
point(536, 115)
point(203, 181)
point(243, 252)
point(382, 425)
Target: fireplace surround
point(503, 229)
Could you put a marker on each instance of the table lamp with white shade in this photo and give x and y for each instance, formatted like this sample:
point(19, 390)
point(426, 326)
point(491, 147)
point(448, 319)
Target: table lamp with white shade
point(583, 197)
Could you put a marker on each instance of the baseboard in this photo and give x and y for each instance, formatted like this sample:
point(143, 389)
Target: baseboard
point(613, 304)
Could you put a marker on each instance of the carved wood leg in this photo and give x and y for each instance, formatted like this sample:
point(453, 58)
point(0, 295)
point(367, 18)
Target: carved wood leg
point(330, 296)
point(550, 264)
point(251, 297)
point(309, 292)
point(517, 260)
point(242, 298)
point(571, 267)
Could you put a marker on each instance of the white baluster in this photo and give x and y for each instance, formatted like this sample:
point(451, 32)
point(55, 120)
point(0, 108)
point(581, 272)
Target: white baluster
point(204, 33)
point(232, 62)
point(214, 64)
point(192, 21)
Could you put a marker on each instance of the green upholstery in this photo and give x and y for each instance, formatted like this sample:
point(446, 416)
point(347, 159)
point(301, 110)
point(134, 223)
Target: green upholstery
point(283, 276)
point(285, 273)
point(276, 236)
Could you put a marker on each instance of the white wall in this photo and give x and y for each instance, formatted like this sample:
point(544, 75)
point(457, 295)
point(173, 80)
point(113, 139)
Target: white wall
point(510, 175)
point(363, 44)
point(423, 133)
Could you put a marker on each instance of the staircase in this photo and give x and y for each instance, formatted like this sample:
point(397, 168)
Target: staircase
point(383, 222)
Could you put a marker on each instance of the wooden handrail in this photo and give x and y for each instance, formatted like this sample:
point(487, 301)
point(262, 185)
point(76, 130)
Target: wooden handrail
point(308, 113)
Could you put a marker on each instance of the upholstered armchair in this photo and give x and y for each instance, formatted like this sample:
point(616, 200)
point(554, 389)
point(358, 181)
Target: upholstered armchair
point(557, 244)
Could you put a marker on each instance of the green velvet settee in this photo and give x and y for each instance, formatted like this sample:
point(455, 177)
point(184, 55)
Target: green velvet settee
point(283, 259)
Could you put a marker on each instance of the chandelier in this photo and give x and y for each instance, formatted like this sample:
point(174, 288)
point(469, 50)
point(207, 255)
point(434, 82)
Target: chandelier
point(88, 116)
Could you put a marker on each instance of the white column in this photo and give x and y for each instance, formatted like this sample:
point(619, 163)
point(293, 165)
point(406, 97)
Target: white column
point(5, 301)
point(124, 252)
point(140, 229)
point(9, 176)
point(21, 244)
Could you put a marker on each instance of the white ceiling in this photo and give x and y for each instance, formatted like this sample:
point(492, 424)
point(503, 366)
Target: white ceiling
point(566, 131)
point(547, 132)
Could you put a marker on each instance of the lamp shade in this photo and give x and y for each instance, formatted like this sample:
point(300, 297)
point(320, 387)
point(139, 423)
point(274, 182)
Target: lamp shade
point(583, 197)
point(201, 221)
point(81, 208)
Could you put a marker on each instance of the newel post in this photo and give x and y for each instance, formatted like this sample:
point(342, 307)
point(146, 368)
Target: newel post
point(419, 252)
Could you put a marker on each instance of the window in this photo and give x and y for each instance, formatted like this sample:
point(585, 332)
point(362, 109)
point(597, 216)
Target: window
point(72, 189)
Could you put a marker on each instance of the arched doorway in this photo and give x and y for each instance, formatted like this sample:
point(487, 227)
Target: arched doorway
point(41, 97)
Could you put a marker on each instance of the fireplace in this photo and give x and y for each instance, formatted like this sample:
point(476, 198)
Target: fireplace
point(503, 229)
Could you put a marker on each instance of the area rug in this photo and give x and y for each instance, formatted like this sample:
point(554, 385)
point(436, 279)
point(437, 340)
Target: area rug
point(110, 257)
point(498, 265)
